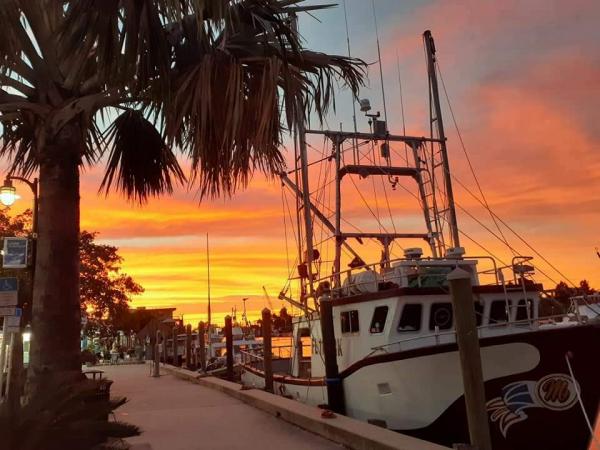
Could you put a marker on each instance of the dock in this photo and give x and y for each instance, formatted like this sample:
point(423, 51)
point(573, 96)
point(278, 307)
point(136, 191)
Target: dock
point(180, 411)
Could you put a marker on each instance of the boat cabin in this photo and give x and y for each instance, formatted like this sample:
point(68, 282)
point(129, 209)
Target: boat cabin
point(407, 306)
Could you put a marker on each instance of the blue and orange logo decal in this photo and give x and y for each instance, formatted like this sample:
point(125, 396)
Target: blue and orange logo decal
point(556, 392)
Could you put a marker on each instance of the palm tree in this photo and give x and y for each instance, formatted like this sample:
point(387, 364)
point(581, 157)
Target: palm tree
point(126, 82)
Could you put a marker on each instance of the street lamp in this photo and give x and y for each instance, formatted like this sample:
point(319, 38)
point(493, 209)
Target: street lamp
point(8, 193)
point(8, 196)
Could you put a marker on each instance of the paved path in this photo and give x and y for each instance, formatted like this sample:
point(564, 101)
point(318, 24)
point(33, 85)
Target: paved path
point(178, 415)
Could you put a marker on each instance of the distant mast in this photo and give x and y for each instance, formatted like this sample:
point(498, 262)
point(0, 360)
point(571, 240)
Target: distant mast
point(208, 284)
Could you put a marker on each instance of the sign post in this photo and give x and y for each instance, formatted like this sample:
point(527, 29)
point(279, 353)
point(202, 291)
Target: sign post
point(12, 318)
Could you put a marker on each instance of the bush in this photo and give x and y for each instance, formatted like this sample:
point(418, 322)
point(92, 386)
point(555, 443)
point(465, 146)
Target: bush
point(72, 417)
point(88, 357)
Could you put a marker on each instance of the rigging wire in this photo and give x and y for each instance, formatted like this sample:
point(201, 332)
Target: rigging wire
point(464, 149)
point(354, 141)
point(484, 203)
point(285, 228)
point(380, 63)
point(581, 404)
point(291, 269)
point(401, 105)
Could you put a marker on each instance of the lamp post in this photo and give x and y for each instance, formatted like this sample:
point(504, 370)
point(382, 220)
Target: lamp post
point(8, 196)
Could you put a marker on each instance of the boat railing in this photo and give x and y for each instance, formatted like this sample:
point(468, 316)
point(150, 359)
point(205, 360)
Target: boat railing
point(384, 268)
point(255, 357)
point(252, 359)
point(532, 323)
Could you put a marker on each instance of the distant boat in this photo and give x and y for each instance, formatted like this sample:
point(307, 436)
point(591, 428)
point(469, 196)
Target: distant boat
point(396, 352)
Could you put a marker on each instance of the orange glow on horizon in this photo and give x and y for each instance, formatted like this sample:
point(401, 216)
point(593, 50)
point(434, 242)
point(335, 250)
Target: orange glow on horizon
point(523, 79)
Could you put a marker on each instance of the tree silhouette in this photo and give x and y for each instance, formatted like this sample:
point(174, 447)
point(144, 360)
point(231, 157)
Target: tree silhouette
point(104, 292)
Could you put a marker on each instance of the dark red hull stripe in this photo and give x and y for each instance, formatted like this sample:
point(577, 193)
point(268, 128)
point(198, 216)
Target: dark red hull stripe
point(287, 379)
point(433, 350)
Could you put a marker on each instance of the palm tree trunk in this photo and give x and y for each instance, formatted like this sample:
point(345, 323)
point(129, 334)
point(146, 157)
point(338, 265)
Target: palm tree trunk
point(56, 322)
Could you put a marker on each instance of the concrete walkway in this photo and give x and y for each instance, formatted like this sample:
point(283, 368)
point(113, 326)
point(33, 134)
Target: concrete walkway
point(177, 415)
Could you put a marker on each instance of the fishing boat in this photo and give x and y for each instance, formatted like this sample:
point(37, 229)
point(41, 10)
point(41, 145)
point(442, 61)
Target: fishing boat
point(383, 345)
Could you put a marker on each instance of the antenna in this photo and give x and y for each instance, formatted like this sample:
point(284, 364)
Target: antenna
point(380, 64)
point(354, 143)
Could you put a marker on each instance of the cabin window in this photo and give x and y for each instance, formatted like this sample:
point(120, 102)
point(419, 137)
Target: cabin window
point(410, 320)
point(440, 316)
point(522, 310)
point(498, 312)
point(349, 321)
point(379, 318)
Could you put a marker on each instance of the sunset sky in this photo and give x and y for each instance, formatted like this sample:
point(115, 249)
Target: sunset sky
point(524, 83)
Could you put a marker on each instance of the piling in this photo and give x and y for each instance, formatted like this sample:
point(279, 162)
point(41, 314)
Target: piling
point(229, 347)
point(189, 364)
point(201, 345)
point(335, 388)
point(175, 358)
point(470, 358)
point(267, 349)
point(156, 368)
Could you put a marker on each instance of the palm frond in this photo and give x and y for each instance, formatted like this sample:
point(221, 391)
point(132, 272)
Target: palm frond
point(140, 164)
point(17, 144)
point(126, 38)
point(224, 106)
point(218, 74)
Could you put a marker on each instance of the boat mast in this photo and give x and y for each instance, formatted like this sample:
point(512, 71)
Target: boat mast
point(209, 311)
point(431, 69)
point(308, 229)
point(337, 147)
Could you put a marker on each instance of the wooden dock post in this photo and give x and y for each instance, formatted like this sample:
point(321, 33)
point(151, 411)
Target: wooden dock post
point(156, 367)
point(175, 359)
point(189, 364)
point(335, 388)
point(229, 347)
point(202, 345)
point(470, 358)
point(267, 349)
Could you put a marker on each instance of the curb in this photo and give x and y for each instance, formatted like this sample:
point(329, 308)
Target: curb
point(351, 433)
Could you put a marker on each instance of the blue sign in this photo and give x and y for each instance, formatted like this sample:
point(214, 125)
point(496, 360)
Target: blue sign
point(15, 253)
point(8, 284)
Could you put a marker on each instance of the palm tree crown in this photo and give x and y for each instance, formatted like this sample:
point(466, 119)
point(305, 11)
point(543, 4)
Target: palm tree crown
point(129, 81)
point(211, 78)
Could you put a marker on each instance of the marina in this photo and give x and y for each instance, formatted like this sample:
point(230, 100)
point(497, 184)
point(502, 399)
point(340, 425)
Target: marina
point(381, 230)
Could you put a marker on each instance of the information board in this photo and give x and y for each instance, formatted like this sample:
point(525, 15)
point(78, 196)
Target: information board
point(15, 253)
